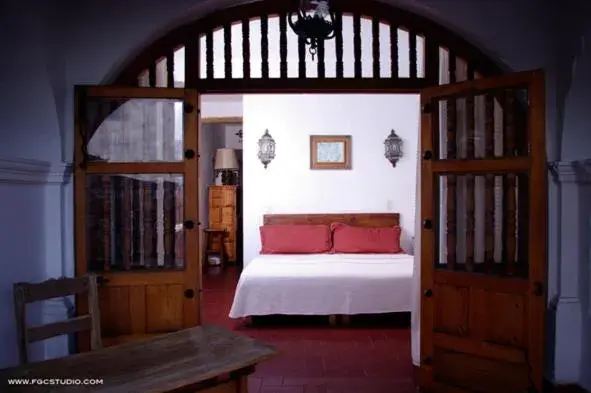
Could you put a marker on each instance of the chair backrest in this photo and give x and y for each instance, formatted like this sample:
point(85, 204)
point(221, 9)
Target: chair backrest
point(25, 293)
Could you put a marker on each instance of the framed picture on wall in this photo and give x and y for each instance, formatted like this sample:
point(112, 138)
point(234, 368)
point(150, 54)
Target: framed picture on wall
point(330, 151)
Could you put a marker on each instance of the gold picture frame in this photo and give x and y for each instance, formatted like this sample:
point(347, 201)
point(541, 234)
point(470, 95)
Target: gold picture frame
point(330, 151)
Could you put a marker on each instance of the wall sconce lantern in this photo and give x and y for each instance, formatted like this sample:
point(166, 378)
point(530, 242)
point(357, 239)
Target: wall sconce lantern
point(393, 148)
point(319, 26)
point(266, 148)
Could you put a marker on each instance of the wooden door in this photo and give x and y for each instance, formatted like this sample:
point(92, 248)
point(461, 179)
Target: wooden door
point(483, 263)
point(136, 188)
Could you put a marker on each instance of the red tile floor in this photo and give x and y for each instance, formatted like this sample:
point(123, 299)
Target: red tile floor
point(369, 356)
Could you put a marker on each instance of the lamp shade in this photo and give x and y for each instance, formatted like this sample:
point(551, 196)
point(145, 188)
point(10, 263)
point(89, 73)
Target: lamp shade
point(225, 159)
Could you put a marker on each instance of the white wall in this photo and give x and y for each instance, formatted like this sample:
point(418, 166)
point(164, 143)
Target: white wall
point(288, 185)
point(221, 105)
point(231, 139)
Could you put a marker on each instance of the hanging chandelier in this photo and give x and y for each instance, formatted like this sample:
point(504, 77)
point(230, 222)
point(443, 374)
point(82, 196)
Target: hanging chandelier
point(315, 23)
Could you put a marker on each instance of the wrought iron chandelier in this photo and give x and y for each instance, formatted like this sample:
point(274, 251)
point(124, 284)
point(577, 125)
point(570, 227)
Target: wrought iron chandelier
point(315, 23)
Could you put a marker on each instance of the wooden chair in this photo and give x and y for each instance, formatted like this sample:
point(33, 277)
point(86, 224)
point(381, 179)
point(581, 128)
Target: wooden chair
point(25, 293)
point(214, 236)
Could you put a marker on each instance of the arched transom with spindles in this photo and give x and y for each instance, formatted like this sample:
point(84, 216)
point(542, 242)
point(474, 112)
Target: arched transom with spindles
point(251, 48)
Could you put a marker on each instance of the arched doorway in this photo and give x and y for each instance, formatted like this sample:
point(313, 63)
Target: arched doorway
point(482, 275)
point(390, 27)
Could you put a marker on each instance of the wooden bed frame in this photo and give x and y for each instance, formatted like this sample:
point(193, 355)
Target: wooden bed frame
point(370, 220)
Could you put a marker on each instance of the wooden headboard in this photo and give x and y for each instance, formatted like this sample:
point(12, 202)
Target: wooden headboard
point(374, 220)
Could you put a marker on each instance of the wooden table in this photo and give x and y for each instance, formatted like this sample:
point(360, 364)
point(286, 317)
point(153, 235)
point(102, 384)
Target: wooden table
point(208, 359)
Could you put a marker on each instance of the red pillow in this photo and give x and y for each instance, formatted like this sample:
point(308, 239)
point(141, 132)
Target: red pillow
point(295, 239)
point(349, 239)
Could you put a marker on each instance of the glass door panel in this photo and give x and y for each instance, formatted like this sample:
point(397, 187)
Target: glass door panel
point(134, 130)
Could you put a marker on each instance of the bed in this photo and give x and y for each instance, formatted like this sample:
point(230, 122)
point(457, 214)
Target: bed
point(326, 283)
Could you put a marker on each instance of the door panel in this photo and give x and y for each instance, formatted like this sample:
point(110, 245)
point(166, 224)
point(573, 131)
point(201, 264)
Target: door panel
point(483, 267)
point(134, 221)
point(479, 372)
point(135, 167)
point(140, 130)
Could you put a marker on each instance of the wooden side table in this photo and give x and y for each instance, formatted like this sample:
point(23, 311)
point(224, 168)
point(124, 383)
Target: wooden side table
point(213, 236)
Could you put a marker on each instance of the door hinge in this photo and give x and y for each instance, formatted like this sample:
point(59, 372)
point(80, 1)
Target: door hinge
point(189, 224)
point(101, 280)
point(426, 108)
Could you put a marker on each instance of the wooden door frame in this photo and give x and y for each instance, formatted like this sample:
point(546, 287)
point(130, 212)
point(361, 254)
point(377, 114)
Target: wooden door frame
point(189, 168)
point(222, 120)
point(534, 164)
point(445, 89)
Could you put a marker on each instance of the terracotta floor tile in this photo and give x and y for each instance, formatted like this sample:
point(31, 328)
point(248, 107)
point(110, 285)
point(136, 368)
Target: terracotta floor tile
point(282, 389)
point(254, 384)
point(304, 381)
point(369, 356)
point(315, 389)
point(272, 381)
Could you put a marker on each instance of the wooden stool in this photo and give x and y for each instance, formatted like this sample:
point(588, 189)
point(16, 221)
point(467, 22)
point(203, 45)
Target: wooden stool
point(211, 235)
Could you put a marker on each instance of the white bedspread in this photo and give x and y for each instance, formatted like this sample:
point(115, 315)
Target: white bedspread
point(324, 284)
